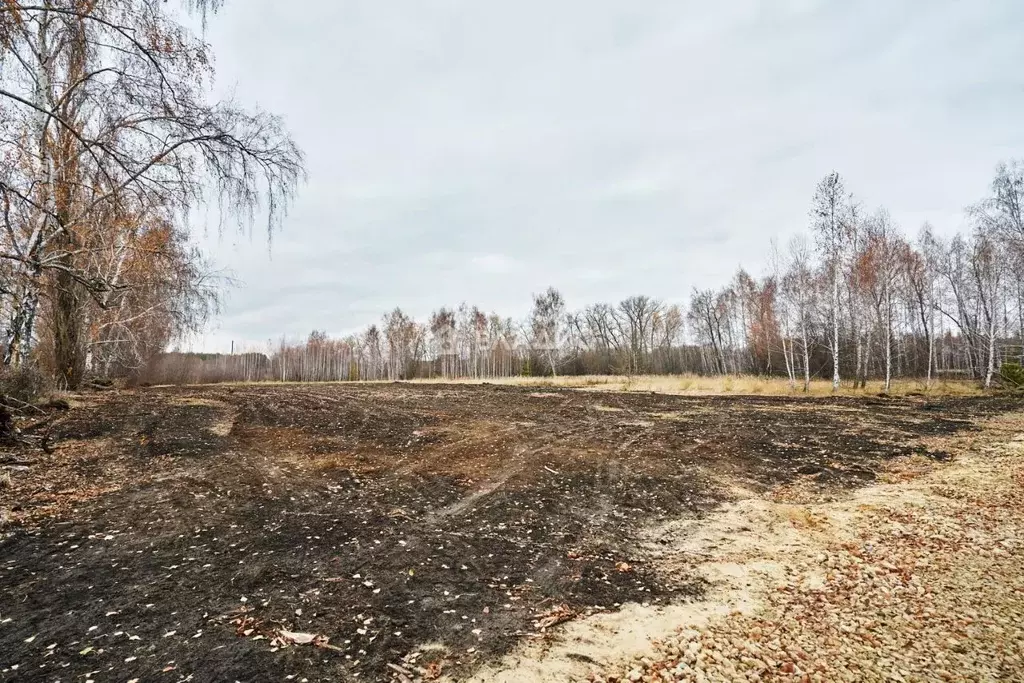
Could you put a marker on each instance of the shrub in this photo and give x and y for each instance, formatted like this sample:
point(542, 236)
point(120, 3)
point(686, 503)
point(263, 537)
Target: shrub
point(1012, 375)
point(24, 383)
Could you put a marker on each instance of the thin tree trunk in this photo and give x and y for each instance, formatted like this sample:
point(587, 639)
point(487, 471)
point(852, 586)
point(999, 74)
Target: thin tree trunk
point(931, 358)
point(888, 353)
point(835, 330)
point(1020, 317)
point(807, 353)
point(991, 351)
point(789, 365)
point(859, 356)
point(867, 360)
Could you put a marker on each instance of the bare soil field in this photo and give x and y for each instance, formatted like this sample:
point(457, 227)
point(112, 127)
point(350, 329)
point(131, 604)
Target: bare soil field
point(399, 531)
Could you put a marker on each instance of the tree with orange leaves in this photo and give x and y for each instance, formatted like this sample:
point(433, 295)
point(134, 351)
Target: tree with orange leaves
point(108, 133)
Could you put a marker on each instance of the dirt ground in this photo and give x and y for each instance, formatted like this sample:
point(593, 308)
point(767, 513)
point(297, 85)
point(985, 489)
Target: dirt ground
point(917, 578)
point(370, 532)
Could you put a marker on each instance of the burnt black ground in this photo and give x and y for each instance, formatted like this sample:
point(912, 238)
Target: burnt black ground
point(383, 517)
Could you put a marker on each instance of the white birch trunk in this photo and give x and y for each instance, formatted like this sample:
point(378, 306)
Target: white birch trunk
point(835, 330)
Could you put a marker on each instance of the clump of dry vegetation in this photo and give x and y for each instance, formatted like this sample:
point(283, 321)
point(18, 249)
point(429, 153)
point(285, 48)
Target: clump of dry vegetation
point(24, 384)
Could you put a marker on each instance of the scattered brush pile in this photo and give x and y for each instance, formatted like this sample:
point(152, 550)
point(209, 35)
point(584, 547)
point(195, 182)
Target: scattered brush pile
point(26, 422)
point(26, 412)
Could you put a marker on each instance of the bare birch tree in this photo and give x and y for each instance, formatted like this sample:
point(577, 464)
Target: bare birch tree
point(801, 287)
point(987, 266)
point(880, 266)
point(921, 269)
point(829, 219)
point(545, 322)
point(104, 106)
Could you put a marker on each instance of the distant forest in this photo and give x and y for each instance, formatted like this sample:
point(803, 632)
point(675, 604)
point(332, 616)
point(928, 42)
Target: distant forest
point(853, 299)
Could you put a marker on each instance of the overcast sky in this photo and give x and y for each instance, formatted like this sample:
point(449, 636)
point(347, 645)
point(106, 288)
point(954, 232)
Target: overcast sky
point(481, 151)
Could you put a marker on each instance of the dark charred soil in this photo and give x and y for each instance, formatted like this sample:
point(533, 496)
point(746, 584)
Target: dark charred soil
point(173, 534)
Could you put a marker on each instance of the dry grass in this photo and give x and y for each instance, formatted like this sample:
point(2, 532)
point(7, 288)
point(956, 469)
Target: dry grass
point(728, 384)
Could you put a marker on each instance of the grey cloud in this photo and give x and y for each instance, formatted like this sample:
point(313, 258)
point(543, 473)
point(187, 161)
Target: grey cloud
point(481, 151)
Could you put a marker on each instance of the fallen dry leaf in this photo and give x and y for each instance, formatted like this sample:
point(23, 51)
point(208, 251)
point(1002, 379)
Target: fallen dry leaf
point(298, 638)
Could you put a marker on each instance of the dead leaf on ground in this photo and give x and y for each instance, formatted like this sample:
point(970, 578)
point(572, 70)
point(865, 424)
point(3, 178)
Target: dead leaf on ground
point(553, 617)
point(297, 638)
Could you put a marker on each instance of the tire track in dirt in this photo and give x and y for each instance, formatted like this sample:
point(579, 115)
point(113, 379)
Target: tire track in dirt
point(436, 517)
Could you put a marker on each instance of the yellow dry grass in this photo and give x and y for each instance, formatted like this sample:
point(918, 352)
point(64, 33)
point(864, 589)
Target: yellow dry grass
point(726, 384)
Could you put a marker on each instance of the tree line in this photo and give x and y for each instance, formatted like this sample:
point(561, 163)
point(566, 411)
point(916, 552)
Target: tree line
point(852, 298)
